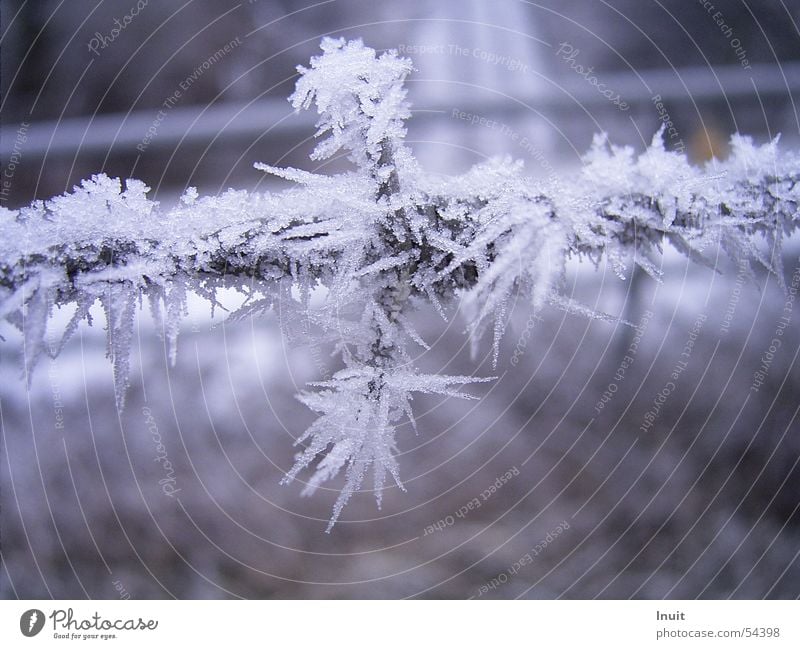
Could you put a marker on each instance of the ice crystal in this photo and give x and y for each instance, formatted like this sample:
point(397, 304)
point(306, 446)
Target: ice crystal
point(379, 239)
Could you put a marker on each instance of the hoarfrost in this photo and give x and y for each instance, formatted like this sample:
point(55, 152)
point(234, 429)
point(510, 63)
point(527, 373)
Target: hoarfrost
point(379, 240)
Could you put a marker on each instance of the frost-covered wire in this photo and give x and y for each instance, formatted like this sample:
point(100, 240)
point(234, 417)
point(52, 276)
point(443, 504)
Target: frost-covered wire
point(380, 239)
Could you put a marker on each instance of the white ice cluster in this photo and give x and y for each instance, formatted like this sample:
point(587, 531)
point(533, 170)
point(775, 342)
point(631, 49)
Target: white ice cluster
point(380, 240)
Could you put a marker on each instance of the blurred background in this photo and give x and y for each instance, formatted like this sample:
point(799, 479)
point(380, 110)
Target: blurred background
point(178, 496)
